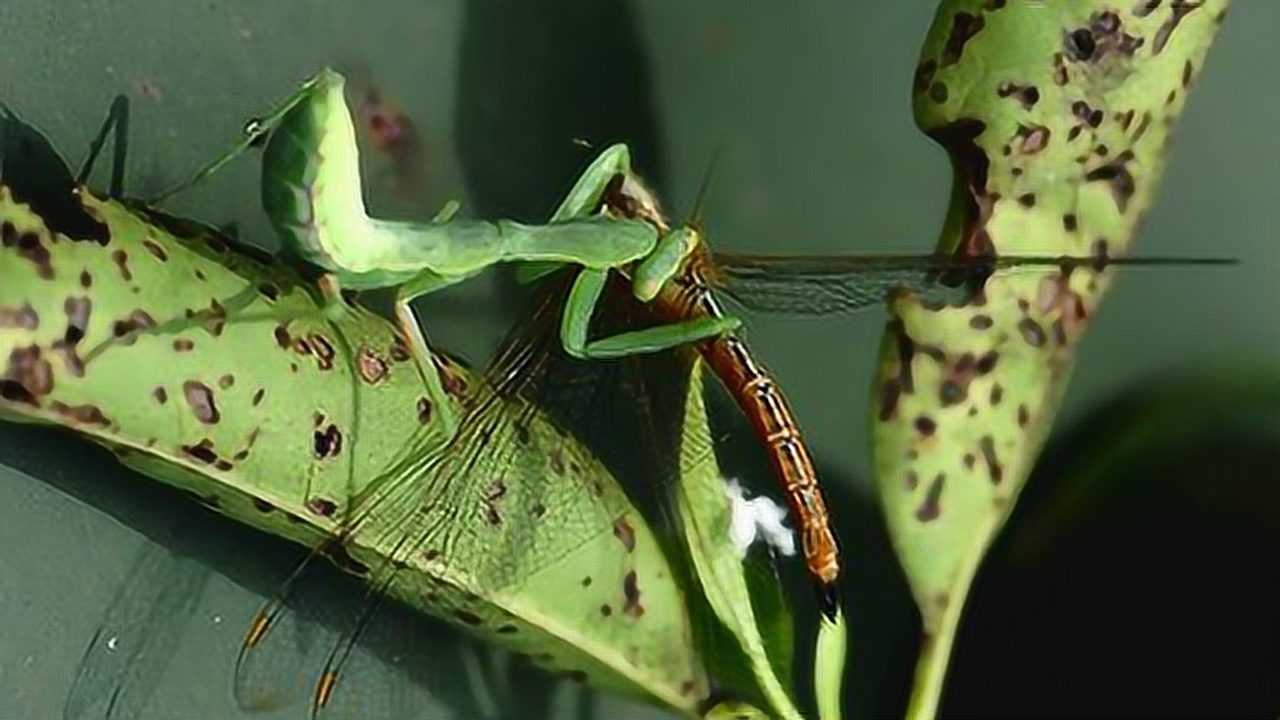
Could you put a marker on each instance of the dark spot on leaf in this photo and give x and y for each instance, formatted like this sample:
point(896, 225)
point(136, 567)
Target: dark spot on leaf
point(258, 395)
point(1024, 416)
point(538, 510)
point(586, 581)
point(889, 395)
point(282, 337)
point(269, 291)
point(328, 444)
point(1032, 138)
point(86, 414)
point(160, 395)
point(373, 369)
point(938, 92)
point(911, 480)
point(1179, 9)
point(323, 350)
point(924, 75)
point(980, 322)
point(1028, 95)
point(467, 617)
point(506, 629)
point(121, 259)
point(1187, 70)
point(925, 425)
point(1027, 200)
point(1031, 332)
point(997, 394)
point(424, 410)
point(605, 610)
point(1069, 222)
point(969, 461)
point(203, 451)
point(951, 393)
point(226, 381)
point(988, 446)
point(30, 248)
point(625, 533)
point(86, 280)
point(987, 362)
point(127, 330)
point(631, 596)
point(323, 507)
point(183, 345)
point(154, 248)
point(200, 398)
point(1080, 44)
point(1117, 175)
point(1146, 7)
point(931, 507)
point(963, 27)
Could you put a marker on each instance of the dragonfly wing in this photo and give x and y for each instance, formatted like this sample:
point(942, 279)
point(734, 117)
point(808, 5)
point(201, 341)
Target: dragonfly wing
point(827, 285)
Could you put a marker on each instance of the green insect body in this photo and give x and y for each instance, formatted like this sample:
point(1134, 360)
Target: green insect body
point(229, 378)
point(1057, 118)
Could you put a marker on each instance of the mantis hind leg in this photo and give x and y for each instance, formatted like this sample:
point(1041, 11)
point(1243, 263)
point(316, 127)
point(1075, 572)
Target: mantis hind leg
point(445, 413)
point(576, 322)
point(117, 119)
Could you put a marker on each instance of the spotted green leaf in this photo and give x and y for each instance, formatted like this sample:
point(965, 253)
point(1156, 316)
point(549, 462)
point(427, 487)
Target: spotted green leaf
point(222, 373)
point(1057, 117)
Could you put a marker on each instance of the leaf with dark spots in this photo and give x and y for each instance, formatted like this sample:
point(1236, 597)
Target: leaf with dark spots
point(161, 395)
point(323, 350)
point(23, 317)
point(424, 410)
point(1080, 44)
point(997, 394)
point(258, 395)
point(625, 533)
point(283, 339)
point(938, 92)
point(931, 507)
point(262, 505)
point(631, 596)
point(86, 280)
point(924, 75)
point(889, 400)
point(37, 176)
point(980, 322)
point(963, 27)
point(466, 617)
point(1032, 139)
point(1146, 7)
point(183, 345)
point(1024, 416)
point(906, 352)
point(200, 397)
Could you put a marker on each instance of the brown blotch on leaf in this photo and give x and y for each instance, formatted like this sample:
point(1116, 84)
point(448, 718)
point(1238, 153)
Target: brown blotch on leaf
point(85, 414)
point(1086, 113)
point(925, 425)
point(323, 507)
point(373, 369)
point(1024, 416)
point(938, 92)
point(631, 595)
point(23, 317)
point(980, 322)
point(86, 280)
point(963, 27)
point(911, 480)
point(323, 350)
point(1027, 200)
point(605, 610)
point(969, 461)
point(924, 75)
point(1187, 70)
point(625, 534)
point(1178, 9)
point(161, 395)
point(997, 394)
point(283, 339)
point(1028, 95)
point(987, 362)
point(183, 345)
point(467, 617)
point(29, 247)
point(1146, 7)
point(128, 329)
point(226, 381)
point(154, 248)
point(1070, 222)
point(202, 451)
point(1117, 175)
point(1031, 332)
point(951, 393)
point(1031, 139)
point(931, 507)
point(424, 410)
point(27, 376)
point(200, 398)
point(121, 259)
point(889, 396)
point(258, 395)
point(988, 446)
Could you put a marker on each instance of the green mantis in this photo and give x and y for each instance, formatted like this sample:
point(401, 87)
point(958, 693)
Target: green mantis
point(311, 192)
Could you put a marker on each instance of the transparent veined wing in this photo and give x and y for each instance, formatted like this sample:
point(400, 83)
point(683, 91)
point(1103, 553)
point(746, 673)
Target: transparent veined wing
point(816, 285)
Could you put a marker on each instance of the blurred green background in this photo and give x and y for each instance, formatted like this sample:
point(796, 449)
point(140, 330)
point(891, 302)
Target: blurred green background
point(811, 105)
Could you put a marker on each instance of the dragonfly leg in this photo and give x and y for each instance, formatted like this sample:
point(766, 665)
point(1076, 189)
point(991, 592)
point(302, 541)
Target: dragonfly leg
point(581, 306)
point(117, 119)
